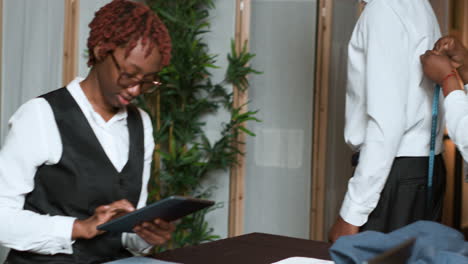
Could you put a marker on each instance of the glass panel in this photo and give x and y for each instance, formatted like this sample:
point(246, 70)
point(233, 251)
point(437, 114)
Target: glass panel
point(33, 51)
point(277, 198)
point(338, 169)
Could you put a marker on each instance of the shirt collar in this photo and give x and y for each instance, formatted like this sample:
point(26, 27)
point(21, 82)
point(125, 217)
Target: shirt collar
point(77, 93)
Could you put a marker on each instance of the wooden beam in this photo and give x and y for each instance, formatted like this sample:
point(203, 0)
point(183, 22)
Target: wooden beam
point(237, 173)
point(70, 41)
point(449, 158)
point(319, 147)
point(464, 22)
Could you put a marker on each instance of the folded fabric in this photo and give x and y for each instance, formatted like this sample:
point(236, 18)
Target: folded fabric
point(435, 243)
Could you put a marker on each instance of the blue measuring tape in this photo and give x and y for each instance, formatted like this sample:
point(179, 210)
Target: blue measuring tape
point(435, 114)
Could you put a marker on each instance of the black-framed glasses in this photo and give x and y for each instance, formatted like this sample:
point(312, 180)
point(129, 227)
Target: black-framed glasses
point(127, 80)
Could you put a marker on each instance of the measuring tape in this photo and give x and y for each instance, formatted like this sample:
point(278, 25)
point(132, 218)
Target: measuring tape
point(435, 114)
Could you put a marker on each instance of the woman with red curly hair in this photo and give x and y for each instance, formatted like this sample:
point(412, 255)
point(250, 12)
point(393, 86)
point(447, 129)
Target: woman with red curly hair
point(80, 155)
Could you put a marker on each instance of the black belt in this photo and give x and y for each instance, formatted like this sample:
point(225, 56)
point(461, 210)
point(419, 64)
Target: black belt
point(355, 159)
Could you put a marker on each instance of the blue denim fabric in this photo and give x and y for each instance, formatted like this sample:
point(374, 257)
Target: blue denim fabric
point(435, 244)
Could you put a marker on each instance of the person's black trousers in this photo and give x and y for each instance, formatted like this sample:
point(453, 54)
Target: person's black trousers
point(403, 199)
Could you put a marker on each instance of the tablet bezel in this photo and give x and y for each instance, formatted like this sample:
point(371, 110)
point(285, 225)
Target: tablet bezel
point(168, 209)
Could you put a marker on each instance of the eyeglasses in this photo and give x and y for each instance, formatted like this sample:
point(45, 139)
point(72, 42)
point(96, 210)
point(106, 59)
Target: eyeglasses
point(127, 80)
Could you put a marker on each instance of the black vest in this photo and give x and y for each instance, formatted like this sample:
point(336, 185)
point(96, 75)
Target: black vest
point(82, 180)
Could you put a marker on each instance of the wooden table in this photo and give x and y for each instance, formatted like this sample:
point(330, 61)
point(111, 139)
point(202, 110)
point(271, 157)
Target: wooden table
point(250, 248)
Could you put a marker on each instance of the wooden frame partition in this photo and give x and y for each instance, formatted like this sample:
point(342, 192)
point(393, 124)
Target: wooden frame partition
point(319, 147)
point(237, 172)
point(458, 20)
point(70, 41)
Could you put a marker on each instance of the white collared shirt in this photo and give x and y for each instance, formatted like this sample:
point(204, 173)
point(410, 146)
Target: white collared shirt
point(34, 140)
point(388, 99)
point(456, 106)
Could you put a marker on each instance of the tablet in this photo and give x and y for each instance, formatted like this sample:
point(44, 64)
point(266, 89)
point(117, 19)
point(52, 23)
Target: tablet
point(168, 209)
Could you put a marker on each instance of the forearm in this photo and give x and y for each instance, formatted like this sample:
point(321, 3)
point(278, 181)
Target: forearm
point(367, 183)
point(456, 115)
point(83, 229)
point(450, 85)
point(382, 141)
point(25, 230)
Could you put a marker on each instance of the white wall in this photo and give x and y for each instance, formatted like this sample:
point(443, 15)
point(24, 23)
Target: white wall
point(283, 35)
point(32, 55)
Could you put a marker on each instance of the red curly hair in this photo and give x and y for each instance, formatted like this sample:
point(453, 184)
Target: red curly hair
point(122, 23)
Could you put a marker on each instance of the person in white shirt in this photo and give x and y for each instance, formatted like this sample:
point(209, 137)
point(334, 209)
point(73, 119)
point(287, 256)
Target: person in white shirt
point(388, 119)
point(81, 155)
point(447, 65)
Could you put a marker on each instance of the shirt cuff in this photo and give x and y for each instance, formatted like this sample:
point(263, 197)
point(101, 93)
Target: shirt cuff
point(135, 244)
point(62, 234)
point(456, 108)
point(353, 213)
point(455, 95)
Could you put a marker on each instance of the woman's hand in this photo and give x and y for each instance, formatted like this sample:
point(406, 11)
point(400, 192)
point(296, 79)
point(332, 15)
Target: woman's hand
point(86, 229)
point(454, 49)
point(436, 66)
point(156, 232)
point(457, 53)
point(439, 68)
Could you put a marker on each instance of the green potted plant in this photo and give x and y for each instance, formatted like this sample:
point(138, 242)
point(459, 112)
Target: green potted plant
point(184, 156)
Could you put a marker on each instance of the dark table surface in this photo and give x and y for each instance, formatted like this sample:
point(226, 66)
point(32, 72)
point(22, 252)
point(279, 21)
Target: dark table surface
point(250, 248)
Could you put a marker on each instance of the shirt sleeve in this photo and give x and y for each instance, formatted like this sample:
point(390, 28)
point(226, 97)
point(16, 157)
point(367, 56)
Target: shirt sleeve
point(29, 144)
point(385, 75)
point(456, 115)
point(132, 241)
